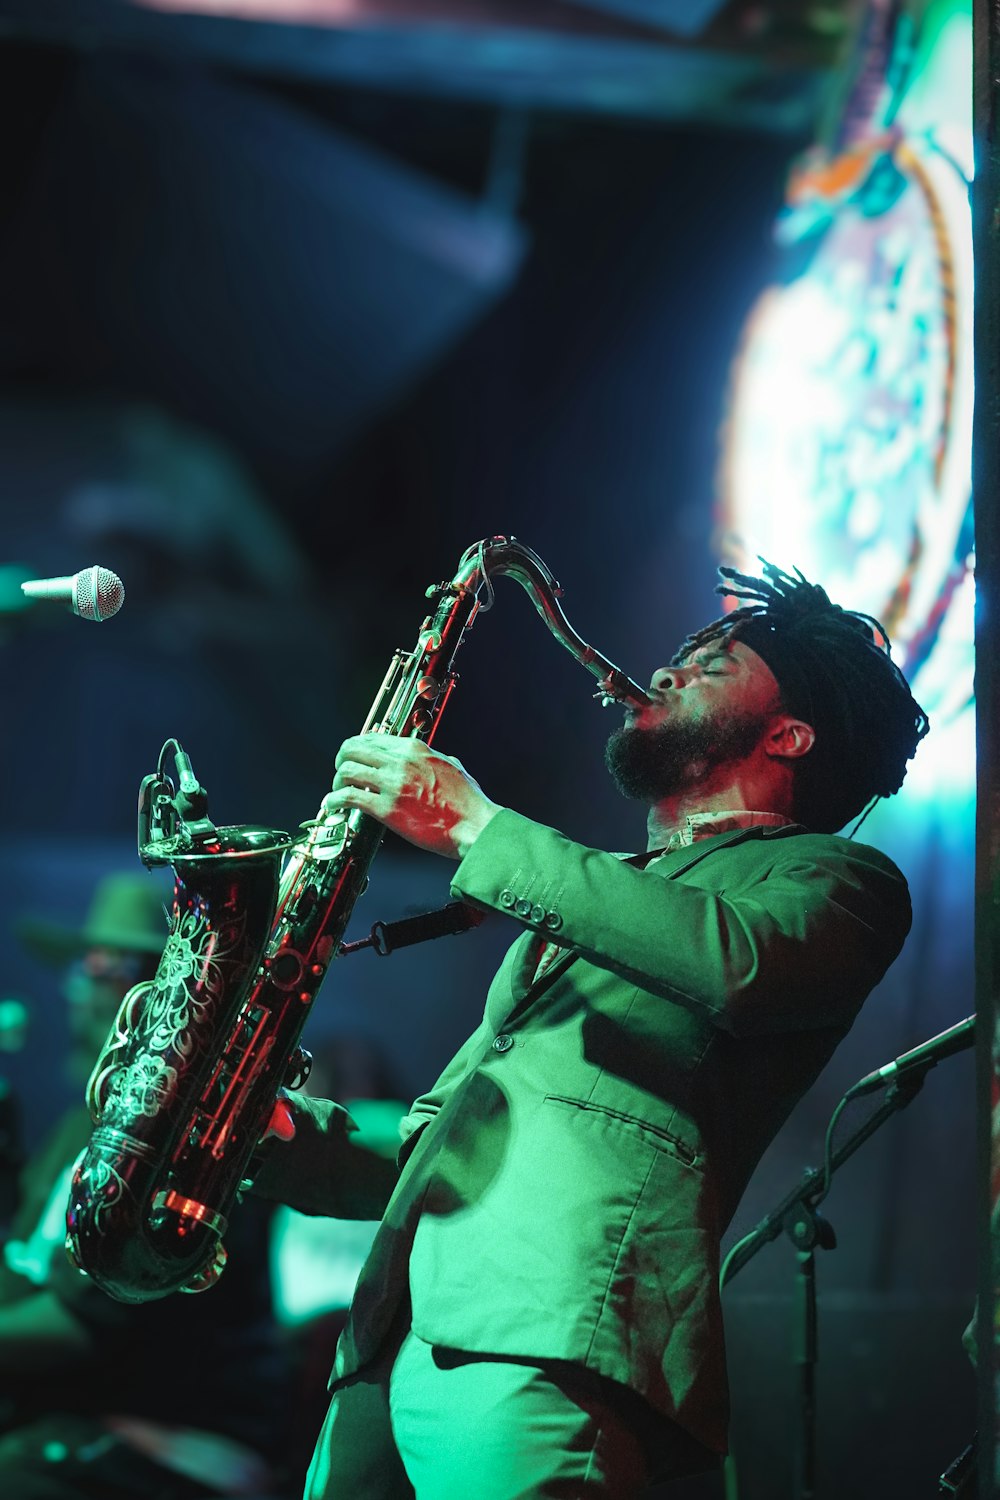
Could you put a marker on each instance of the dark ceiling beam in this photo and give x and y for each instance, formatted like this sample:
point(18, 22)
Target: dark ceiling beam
point(583, 70)
point(529, 15)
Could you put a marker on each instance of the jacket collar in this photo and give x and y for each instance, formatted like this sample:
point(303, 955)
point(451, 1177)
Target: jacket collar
point(666, 863)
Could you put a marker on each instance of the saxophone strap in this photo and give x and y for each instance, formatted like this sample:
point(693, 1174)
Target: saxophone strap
point(444, 921)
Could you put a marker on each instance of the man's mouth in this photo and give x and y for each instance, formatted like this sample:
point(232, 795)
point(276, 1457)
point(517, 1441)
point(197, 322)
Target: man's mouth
point(635, 716)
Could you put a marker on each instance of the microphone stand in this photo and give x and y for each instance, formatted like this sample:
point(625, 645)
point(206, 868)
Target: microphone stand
point(797, 1216)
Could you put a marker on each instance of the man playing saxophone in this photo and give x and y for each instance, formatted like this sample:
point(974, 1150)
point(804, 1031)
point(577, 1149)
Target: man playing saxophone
point(539, 1314)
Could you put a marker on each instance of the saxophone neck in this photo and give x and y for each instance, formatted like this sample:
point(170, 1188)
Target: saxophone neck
point(501, 554)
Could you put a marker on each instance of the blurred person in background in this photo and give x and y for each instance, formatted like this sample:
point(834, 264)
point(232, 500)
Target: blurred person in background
point(169, 1400)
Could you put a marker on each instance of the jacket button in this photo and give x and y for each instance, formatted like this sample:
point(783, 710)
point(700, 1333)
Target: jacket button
point(553, 920)
point(537, 913)
point(523, 908)
point(503, 1042)
point(507, 898)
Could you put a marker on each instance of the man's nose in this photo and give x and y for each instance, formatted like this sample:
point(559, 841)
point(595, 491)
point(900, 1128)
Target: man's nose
point(665, 678)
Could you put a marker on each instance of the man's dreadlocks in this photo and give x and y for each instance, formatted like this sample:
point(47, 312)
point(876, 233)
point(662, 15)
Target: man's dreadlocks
point(835, 672)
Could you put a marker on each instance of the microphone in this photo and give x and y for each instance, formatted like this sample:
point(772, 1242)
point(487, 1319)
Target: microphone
point(926, 1055)
point(93, 594)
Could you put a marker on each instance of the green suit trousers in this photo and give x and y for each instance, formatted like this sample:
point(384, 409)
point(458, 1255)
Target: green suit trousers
point(438, 1424)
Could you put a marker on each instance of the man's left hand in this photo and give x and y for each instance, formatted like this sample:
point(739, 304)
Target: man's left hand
point(426, 797)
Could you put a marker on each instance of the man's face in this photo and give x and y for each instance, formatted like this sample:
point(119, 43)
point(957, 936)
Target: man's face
point(95, 986)
point(709, 712)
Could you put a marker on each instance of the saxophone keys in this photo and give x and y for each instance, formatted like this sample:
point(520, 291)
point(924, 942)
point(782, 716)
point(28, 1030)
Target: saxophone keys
point(299, 1067)
point(210, 1275)
point(190, 1208)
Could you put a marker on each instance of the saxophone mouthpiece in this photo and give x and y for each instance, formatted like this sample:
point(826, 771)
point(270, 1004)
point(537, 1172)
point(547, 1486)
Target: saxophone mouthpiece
point(622, 690)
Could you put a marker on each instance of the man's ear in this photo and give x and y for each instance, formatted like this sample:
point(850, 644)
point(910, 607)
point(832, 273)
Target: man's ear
point(789, 738)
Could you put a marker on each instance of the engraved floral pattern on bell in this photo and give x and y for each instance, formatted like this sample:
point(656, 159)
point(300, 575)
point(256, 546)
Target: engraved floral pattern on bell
point(156, 1031)
point(145, 1086)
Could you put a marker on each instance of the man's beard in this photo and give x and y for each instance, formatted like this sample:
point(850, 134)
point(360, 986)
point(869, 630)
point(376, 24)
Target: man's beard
point(650, 764)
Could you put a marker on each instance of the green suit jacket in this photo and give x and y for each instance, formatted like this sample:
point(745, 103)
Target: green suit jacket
point(565, 1183)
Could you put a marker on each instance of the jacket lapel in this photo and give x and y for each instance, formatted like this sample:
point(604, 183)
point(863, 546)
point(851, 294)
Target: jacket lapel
point(525, 989)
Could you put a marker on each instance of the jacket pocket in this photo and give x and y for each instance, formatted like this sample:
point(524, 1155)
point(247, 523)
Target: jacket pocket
point(662, 1139)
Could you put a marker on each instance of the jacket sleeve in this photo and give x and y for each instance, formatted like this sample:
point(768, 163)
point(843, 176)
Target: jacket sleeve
point(322, 1170)
point(797, 946)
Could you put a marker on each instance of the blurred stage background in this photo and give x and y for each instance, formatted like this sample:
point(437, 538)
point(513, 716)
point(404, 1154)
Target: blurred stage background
point(298, 300)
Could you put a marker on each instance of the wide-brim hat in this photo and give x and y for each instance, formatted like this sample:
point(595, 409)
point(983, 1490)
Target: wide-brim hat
point(126, 911)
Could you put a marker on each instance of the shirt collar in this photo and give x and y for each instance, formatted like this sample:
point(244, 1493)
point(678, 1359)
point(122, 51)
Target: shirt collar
point(704, 825)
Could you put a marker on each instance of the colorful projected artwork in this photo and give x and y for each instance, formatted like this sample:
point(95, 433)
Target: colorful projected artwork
point(848, 440)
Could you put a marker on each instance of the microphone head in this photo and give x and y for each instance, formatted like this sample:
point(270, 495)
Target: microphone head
point(97, 593)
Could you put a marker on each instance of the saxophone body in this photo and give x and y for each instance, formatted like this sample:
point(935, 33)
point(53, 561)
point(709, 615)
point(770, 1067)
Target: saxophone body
point(186, 1083)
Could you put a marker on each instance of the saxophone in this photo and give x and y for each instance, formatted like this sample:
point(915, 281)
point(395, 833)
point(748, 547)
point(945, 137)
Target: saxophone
point(187, 1080)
